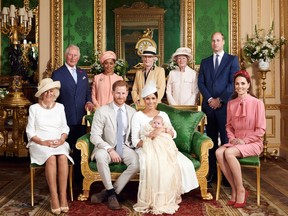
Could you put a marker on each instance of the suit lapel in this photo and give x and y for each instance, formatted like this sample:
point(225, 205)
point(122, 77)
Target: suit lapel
point(112, 117)
point(211, 68)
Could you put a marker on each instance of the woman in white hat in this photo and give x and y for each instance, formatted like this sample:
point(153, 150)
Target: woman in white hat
point(159, 165)
point(102, 83)
point(182, 88)
point(150, 72)
point(47, 131)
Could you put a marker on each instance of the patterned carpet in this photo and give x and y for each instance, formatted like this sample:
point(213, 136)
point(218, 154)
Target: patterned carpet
point(15, 198)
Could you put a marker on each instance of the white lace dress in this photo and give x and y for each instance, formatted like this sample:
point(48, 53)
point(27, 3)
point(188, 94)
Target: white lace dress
point(165, 172)
point(46, 124)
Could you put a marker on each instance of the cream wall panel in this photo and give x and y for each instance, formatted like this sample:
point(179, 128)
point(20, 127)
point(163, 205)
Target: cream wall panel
point(262, 13)
point(44, 35)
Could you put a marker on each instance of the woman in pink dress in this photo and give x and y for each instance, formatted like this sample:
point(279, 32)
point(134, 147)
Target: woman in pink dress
point(245, 128)
point(102, 83)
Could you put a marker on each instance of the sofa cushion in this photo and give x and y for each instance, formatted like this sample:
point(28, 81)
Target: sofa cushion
point(184, 122)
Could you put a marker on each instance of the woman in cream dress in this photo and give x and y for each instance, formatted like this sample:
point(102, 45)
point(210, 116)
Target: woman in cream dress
point(47, 131)
point(182, 87)
point(165, 173)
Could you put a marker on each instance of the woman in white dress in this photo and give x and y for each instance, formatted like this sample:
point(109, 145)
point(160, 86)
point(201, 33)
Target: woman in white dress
point(47, 131)
point(182, 87)
point(164, 175)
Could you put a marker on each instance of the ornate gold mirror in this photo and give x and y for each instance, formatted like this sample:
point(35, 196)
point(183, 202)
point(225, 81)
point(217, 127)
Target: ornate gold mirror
point(130, 22)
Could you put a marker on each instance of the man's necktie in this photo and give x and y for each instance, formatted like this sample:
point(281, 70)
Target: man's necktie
point(74, 74)
point(216, 64)
point(119, 148)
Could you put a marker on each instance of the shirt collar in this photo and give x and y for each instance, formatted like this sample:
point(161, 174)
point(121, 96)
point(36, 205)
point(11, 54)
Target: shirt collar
point(70, 68)
point(115, 107)
point(219, 53)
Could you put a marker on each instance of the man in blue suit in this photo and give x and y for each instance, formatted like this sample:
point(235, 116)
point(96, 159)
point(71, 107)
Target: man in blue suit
point(215, 83)
point(75, 95)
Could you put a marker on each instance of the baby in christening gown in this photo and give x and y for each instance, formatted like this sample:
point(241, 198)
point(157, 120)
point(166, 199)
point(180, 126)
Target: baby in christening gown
point(160, 183)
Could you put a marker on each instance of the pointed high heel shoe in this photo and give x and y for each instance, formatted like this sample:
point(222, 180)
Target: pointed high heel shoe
point(242, 205)
point(64, 209)
point(231, 203)
point(55, 211)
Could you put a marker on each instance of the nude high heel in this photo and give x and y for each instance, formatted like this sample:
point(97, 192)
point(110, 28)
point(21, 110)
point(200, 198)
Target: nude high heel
point(64, 209)
point(55, 211)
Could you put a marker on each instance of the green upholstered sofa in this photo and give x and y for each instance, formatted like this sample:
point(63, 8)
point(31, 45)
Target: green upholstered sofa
point(192, 143)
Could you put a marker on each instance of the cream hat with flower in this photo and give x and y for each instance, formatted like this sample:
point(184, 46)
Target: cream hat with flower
point(47, 84)
point(148, 89)
point(183, 51)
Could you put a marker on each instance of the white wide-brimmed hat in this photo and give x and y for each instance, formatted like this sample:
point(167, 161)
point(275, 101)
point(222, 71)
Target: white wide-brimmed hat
point(149, 51)
point(46, 84)
point(183, 51)
point(148, 89)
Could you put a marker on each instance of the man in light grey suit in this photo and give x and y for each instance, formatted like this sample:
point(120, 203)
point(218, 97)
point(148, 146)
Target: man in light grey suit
point(104, 135)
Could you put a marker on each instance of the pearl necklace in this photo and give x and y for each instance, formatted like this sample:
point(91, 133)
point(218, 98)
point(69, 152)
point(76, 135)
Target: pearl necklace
point(47, 106)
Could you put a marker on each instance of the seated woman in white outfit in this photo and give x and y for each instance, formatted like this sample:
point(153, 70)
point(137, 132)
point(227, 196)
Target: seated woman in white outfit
point(165, 173)
point(47, 131)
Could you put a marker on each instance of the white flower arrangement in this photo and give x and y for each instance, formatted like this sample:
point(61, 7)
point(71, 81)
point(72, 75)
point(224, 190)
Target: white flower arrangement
point(261, 46)
point(172, 65)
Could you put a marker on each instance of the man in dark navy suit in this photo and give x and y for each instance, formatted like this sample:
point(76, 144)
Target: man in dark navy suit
point(215, 83)
point(75, 95)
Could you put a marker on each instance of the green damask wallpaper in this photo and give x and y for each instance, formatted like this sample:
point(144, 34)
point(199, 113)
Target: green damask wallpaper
point(5, 61)
point(78, 26)
point(171, 26)
point(210, 16)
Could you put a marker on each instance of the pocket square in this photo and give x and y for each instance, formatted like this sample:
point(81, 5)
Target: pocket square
point(84, 77)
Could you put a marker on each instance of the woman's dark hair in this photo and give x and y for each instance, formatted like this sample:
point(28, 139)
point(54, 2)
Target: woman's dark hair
point(245, 74)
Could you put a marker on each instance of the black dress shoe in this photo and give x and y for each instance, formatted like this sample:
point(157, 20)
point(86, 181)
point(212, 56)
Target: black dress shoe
point(99, 197)
point(113, 202)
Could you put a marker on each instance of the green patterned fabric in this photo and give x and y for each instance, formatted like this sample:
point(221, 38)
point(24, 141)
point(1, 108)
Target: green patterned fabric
point(250, 161)
point(185, 123)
